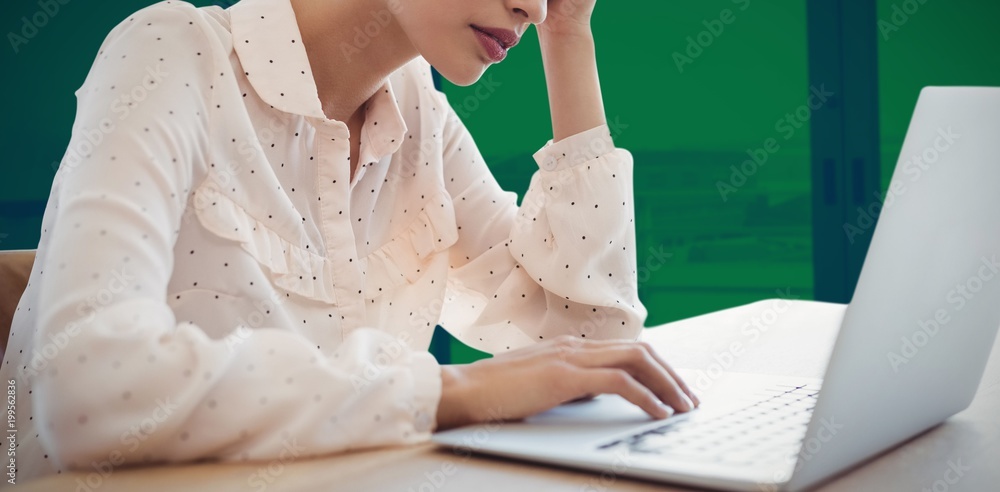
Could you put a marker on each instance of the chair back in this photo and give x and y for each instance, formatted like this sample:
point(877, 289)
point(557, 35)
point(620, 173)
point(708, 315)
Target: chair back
point(15, 268)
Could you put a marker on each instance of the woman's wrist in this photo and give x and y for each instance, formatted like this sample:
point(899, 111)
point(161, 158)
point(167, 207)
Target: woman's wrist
point(575, 43)
point(569, 58)
point(453, 408)
point(547, 34)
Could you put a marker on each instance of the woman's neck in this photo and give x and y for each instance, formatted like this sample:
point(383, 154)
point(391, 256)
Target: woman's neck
point(353, 46)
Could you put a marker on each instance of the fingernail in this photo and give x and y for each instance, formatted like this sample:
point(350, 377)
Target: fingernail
point(665, 411)
point(690, 404)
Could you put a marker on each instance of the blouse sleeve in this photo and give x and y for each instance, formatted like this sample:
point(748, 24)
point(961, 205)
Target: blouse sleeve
point(124, 380)
point(563, 262)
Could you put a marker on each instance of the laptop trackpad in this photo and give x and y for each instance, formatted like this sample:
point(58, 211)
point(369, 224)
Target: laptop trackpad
point(603, 409)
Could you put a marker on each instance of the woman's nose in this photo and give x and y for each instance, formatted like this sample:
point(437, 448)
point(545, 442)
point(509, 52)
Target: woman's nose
point(533, 11)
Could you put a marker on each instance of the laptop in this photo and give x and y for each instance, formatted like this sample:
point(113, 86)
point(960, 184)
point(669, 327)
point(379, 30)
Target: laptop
point(910, 352)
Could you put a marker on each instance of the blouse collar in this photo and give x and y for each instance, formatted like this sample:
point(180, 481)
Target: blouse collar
point(268, 43)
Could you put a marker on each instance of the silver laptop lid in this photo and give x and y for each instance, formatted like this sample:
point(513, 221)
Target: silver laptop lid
point(917, 334)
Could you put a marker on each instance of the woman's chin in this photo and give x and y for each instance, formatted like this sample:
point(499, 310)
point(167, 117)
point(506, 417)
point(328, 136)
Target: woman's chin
point(462, 76)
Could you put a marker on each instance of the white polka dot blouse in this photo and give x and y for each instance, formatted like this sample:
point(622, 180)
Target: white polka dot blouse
point(211, 282)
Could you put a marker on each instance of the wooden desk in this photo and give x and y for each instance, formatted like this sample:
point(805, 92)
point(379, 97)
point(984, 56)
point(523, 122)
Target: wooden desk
point(788, 338)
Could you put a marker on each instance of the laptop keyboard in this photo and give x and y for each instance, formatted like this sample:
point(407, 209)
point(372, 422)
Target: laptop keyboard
point(768, 431)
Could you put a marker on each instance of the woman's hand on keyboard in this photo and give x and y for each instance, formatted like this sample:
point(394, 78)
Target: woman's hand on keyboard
point(523, 382)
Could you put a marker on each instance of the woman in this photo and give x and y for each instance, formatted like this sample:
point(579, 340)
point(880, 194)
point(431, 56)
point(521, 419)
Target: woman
point(265, 210)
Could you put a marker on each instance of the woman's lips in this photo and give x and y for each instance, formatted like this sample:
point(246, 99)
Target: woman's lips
point(495, 41)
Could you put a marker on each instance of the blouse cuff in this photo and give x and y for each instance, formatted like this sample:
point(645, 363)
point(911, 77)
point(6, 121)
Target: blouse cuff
point(426, 391)
point(576, 149)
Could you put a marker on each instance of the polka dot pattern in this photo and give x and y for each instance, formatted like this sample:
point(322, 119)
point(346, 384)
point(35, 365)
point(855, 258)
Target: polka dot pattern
point(215, 271)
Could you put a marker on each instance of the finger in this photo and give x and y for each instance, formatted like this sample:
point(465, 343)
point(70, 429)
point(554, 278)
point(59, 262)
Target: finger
point(656, 357)
point(620, 382)
point(680, 381)
point(640, 364)
point(567, 346)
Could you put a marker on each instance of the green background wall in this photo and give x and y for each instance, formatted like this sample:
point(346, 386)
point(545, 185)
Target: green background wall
point(698, 251)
